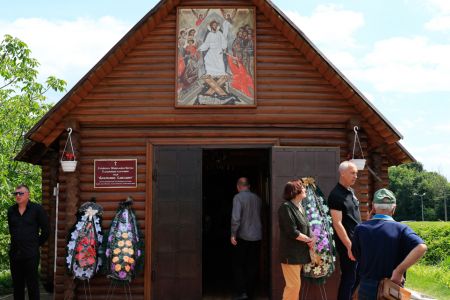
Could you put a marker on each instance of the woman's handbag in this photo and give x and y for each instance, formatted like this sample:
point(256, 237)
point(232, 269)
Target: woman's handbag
point(389, 290)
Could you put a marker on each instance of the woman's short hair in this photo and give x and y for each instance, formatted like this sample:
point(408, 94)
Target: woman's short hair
point(292, 189)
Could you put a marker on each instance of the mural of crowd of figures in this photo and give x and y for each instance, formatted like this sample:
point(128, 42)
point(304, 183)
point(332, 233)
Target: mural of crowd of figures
point(216, 56)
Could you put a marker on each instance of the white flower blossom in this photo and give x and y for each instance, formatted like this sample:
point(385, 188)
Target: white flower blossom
point(307, 268)
point(316, 270)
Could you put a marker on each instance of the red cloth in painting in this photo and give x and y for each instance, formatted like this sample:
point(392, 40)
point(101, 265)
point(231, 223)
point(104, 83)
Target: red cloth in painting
point(191, 50)
point(199, 21)
point(181, 65)
point(242, 81)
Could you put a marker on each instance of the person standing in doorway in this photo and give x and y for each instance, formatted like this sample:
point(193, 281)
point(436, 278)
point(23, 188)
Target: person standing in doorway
point(29, 229)
point(295, 240)
point(384, 248)
point(344, 210)
point(246, 235)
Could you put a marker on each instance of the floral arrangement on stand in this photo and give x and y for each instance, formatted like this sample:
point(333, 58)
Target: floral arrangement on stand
point(324, 252)
point(85, 238)
point(124, 248)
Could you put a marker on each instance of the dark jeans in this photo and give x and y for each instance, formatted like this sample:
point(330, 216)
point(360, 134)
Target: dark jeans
point(368, 289)
point(349, 278)
point(25, 272)
point(245, 266)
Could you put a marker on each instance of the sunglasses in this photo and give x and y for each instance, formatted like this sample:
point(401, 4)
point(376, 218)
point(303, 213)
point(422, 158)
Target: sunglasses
point(18, 193)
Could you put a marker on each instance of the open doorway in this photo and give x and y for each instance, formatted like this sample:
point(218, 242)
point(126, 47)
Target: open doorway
point(221, 169)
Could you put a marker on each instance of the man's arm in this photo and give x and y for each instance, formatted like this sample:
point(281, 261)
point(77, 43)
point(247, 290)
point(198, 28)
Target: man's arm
point(43, 225)
point(356, 249)
point(235, 220)
point(336, 216)
point(410, 259)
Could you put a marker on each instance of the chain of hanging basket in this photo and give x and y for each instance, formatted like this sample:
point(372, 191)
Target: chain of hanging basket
point(355, 129)
point(69, 140)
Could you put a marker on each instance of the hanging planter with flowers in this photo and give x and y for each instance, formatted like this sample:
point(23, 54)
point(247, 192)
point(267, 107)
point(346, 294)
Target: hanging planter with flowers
point(68, 159)
point(359, 162)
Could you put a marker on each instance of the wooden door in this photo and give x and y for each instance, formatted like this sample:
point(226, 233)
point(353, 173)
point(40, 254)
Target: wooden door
point(177, 211)
point(290, 163)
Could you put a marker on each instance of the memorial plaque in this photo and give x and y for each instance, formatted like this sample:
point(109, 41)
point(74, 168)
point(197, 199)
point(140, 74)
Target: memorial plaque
point(115, 173)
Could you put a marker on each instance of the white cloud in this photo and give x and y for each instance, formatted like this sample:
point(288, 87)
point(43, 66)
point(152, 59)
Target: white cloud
point(442, 6)
point(397, 64)
point(329, 25)
point(67, 47)
point(439, 23)
point(432, 158)
point(441, 19)
point(442, 128)
point(409, 65)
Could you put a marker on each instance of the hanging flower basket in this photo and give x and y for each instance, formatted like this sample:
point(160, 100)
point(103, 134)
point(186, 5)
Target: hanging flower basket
point(359, 162)
point(68, 165)
point(68, 159)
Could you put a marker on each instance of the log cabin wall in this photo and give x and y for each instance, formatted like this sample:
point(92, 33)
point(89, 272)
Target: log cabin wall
point(134, 102)
point(49, 179)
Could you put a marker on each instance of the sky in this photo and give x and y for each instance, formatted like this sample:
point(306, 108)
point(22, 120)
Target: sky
point(397, 53)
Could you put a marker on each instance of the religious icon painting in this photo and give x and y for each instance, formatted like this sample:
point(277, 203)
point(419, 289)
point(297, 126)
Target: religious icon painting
point(215, 57)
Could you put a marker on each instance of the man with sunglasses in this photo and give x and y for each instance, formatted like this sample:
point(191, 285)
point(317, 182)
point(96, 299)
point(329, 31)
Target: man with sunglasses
point(29, 229)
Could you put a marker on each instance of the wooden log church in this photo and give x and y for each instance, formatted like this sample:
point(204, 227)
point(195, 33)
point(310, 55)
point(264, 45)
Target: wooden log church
point(268, 105)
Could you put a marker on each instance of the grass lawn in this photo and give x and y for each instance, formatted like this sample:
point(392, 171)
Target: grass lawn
point(429, 280)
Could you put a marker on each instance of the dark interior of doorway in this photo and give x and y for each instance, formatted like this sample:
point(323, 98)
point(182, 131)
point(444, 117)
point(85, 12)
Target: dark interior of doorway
point(221, 170)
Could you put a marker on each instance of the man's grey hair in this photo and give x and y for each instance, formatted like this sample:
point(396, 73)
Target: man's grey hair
point(345, 165)
point(384, 206)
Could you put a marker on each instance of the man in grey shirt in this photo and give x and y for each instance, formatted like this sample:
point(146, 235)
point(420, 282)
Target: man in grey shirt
point(246, 234)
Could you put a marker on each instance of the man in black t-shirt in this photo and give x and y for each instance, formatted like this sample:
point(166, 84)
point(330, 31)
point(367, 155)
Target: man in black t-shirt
point(29, 229)
point(344, 209)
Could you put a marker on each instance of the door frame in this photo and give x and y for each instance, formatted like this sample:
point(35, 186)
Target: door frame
point(204, 143)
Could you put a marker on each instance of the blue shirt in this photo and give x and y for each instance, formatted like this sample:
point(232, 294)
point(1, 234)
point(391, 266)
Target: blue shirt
point(380, 245)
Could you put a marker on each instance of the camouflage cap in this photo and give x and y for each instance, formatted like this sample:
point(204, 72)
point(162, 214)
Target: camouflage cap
point(384, 196)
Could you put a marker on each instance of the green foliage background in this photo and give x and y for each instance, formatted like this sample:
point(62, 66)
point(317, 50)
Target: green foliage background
point(432, 273)
point(410, 179)
point(22, 104)
point(437, 237)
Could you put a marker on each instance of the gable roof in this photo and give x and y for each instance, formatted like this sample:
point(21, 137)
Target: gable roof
point(48, 129)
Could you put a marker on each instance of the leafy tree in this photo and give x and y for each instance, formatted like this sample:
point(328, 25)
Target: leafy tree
point(408, 182)
point(22, 104)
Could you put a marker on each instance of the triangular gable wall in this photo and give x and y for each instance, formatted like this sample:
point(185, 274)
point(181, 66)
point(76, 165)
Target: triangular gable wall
point(376, 126)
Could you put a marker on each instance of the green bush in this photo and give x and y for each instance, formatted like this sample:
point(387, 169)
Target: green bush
point(5, 282)
point(4, 247)
point(437, 238)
